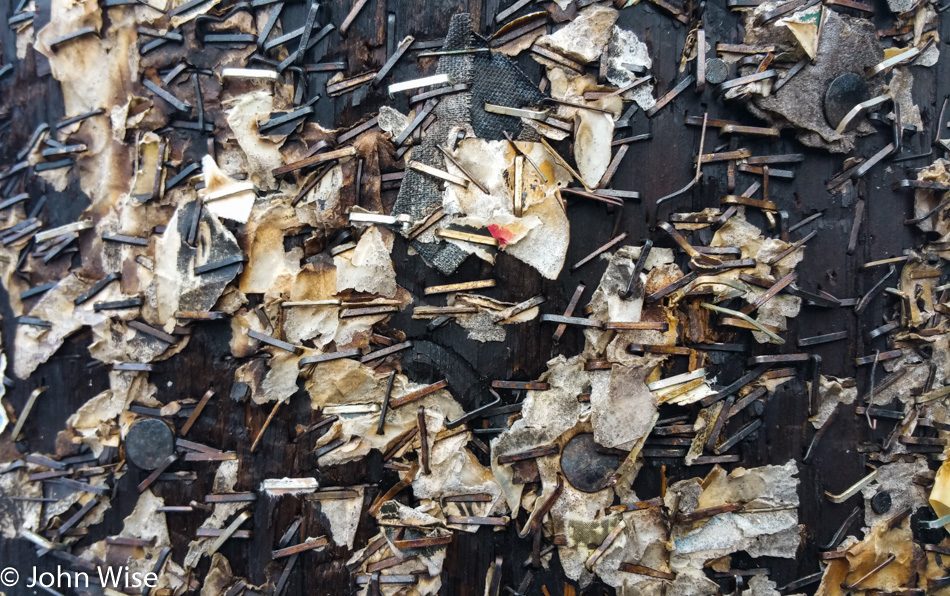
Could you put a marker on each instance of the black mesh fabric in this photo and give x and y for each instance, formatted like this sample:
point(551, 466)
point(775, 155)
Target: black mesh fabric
point(499, 81)
point(420, 194)
point(494, 79)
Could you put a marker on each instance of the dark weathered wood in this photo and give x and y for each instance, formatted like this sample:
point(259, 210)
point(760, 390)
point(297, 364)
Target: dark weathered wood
point(654, 168)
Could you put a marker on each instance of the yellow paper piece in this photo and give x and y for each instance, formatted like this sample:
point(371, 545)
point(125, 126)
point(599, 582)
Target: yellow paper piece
point(940, 495)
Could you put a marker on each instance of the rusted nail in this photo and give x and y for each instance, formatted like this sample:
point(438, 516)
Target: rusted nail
point(822, 339)
point(792, 248)
point(876, 289)
point(381, 427)
point(474, 413)
point(388, 351)
point(157, 472)
point(310, 544)
point(245, 497)
point(267, 422)
point(818, 434)
point(418, 394)
point(885, 563)
point(633, 286)
point(770, 293)
point(423, 439)
point(852, 490)
point(572, 321)
point(538, 515)
point(706, 513)
point(600, 550)
point(843, 529)
point(878, 357)
point(476, 521)
point(423, 542)
point(670, 95)
point(743, 403)
point(197, 411)
point(719, 424)
point(328, 357)
point(529, 454)
point(744, 432)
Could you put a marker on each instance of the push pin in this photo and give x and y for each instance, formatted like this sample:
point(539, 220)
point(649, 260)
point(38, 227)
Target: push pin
point(845, 92)
point(717, 71)
point(149, 443)
point(587, 467)
point(881, 502)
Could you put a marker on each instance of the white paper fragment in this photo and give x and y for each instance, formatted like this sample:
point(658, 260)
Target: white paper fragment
point(545, 416)
point(455, 471)
point(344, 517)
point(626, 48)
point(540, 237)
point(239, 201)
point(774, 532)
point(218, 578)
point(900, 88)
point(95, 71)
point(34, 344)
point(320, 207)
point(692, 582)
point(392, 121)
point(262, 154)
point(94, 421)
point(348, 382)
point(148, 163)
point(224, 480)
point(176, 286)
point(368, 267)
point(145, 522)
point(622, 408)
point(16, 515)
point(728, 532)
point(805, 26)
point(584, 38)
point(289, 486)
point(593, 132)
point(270, 268)
point(579, 516)
point(25, 36)
point(761, 585)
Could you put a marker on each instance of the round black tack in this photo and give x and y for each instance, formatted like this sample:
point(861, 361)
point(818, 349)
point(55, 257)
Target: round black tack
point(586, 465)
point(845, 92)
point(881, 502)
point(149, 443)
point(717, 71)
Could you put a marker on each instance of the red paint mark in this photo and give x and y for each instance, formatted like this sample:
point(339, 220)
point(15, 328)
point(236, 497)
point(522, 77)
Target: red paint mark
point(503, 235)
